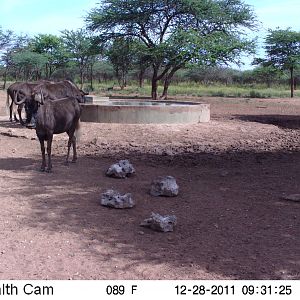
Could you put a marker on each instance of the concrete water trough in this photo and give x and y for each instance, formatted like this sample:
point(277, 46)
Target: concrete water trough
point(132, 111)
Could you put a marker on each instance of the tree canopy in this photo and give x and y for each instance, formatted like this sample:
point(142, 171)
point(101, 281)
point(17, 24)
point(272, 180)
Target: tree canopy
point(81, 48)
point(176, 32)
point(51, 46)
point(282, 48)
point(5, 38)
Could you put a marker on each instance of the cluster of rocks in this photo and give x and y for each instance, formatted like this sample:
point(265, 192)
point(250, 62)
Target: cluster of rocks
point(161, 186)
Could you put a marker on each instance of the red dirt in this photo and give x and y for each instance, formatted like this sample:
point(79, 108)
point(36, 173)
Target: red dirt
point(232, 222)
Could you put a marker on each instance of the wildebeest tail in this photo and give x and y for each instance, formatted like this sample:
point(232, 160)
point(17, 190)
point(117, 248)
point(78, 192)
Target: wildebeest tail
point(77, 132)
point(7, 103)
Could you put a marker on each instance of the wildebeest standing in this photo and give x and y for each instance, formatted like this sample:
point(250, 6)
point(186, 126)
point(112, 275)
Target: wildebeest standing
point(18, 92)
point(55, 117)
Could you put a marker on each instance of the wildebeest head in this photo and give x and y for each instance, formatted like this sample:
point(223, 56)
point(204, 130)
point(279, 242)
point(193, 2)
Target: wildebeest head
point(32, 104)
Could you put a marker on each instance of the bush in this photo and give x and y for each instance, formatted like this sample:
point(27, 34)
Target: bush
point(255, 94)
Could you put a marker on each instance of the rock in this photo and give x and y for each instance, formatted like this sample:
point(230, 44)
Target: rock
point(164, 186)
point(292, 197)
point(114, 199)
point(160, 223)
point(121, 169)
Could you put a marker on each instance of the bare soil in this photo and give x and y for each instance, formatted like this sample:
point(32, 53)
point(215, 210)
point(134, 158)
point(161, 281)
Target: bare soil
point(232, 221)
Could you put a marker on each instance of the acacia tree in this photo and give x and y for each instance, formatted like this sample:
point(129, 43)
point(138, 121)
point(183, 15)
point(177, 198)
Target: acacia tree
point(29, 64)
point(283, 52)
point(10, 45)
point(51, 46)
point(267, 74)
point(176, 32)
point(120, 55)
point(6, 38)
point(81, 48)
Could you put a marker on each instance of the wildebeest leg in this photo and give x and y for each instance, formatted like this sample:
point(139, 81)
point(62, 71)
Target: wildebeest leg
point(15, 117)
point(49, 144)
point(11, 111)
point(74, 149)
point(14, 112)
point(43, 166)
point(29, 115)
point(20, 107)
point(70, 142)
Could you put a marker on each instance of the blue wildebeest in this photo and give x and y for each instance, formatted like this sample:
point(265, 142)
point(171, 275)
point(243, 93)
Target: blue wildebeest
point(60, 89)
point(17, 92)
point(55, 117)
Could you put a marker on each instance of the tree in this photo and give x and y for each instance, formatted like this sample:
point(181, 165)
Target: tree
point(9, 45)
point(283, 52)
point(103, 70)
point(177, 32)
point(120, 55)
point(51, 46)
point(5, 41)
point(266, 74)
point(6, 38)
point(81, 48)
point(29, 64)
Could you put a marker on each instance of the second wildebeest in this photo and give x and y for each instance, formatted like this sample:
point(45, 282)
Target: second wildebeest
point(60, 89)
point(18, 92)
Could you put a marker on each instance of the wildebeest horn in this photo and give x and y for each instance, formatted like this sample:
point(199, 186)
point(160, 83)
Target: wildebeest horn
point(16, 94)
point(40, 99)
point(84, 93)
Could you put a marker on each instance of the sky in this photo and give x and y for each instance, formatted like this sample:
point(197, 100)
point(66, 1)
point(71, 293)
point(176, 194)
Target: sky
point(52, 16)
point(44, 16)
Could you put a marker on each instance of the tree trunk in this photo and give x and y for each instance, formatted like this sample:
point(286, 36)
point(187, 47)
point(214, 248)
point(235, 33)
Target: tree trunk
point(46, 71)
point(81, 78)
point(167, 82)
point(154, 84)
point(121, 76)
point(125, 79)
point(141, 77)
point(92, 88)
point(292, 82)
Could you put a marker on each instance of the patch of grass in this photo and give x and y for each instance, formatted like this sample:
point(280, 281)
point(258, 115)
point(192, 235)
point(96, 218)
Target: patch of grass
point(255, 94)
point(197, 90)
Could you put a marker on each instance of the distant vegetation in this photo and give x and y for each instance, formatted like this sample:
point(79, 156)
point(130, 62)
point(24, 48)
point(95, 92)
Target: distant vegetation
point(166, 48)
point(193, 89)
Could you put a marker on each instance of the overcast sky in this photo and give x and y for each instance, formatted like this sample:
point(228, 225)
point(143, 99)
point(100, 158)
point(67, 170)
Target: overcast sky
point(51, 16)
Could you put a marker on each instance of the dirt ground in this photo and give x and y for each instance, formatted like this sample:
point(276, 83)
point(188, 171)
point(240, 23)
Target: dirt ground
point(232, 221)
